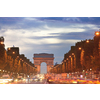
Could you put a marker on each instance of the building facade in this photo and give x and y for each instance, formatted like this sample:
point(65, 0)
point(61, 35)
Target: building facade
point(83, 57)
point(14, 63)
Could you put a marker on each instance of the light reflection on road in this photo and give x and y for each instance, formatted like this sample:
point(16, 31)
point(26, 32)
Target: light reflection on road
point(29, 81)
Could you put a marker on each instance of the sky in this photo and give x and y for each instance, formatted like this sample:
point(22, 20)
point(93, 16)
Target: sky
point(53, 35)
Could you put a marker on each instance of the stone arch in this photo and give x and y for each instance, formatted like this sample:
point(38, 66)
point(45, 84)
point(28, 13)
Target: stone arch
point(43, 57)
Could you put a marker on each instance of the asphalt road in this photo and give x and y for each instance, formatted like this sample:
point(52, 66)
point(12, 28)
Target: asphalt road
point(30, 82)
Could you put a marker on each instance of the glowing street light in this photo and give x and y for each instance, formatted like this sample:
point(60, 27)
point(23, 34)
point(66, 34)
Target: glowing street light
point(97, 33)
point(13, 52)
point(64, 60)
point(87, 41)
point(72, 53)
point(80, 48)
point(8, 48)
point(91, 72)
point(1, 43)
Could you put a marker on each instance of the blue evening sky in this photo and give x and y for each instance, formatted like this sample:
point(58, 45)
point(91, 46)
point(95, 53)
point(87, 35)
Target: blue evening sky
point(53, 35)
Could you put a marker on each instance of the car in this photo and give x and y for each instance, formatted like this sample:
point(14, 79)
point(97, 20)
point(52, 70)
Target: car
point(6, 79)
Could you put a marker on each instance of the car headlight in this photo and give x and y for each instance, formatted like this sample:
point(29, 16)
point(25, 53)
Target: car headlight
point(5, 81)
point(16, 80)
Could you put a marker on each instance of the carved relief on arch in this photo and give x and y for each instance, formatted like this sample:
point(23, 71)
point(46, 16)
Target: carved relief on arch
point(43, 61)
point(37, 62)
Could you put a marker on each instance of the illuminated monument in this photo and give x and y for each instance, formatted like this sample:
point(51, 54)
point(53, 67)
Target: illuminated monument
point(43, 57)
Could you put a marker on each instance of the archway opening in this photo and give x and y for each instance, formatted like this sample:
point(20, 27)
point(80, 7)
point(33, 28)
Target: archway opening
point(43, 68)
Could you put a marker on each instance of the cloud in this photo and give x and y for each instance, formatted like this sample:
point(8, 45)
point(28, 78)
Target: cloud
point(48, 35)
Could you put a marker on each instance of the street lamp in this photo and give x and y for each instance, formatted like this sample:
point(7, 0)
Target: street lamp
point(72, 53)
point(79, 48)
point(97, 33)
point(13, 52)
point(1, 42)
point(87, 41)
point(9, 49)
point(17, 56)
point(83, 73)
point(91, 72)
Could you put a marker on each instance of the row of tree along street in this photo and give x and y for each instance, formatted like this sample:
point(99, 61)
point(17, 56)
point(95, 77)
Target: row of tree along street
point(82, 59)
point(13, 63)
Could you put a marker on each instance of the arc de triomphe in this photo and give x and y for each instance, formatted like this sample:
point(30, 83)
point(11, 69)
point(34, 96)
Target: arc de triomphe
point(43, 57)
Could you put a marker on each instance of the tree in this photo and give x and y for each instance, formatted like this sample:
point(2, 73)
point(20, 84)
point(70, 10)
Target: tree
point(2, 57)
point(16, 65)
point(95, 61)
point(11, 63)
point(19, 67)
point(25, 68)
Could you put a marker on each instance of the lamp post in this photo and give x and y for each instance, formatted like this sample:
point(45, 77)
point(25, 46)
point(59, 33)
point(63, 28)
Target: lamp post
point(80, 62)
point(83, 73)
point(91, 72)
